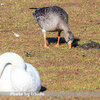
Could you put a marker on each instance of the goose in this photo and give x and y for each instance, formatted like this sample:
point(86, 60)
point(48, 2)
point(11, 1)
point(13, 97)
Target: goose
point(17, 75)
point(53, 18)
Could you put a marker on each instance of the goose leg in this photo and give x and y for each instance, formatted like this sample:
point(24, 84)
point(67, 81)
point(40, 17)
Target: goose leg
point(44, 34)
point(57, 45)
point(45, 44)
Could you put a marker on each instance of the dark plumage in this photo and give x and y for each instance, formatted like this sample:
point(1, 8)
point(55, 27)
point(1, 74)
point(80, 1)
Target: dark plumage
point(53, 18)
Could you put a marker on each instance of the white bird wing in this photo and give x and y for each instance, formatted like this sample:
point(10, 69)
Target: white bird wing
point(22, 81)
point(32, 71)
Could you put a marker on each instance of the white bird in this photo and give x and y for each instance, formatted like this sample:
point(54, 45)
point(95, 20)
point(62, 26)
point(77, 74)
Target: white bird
point(17, 75)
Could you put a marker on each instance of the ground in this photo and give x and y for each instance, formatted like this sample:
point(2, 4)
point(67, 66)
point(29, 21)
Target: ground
point(61, 69)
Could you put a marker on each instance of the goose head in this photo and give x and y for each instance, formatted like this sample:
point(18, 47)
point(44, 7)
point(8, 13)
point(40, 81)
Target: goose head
point(69, 37)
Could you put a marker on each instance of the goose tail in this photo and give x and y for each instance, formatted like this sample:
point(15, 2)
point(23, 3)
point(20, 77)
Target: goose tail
point(33, 8)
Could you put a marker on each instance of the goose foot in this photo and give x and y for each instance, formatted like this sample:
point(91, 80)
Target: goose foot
point(46, 47)
point(57, 45)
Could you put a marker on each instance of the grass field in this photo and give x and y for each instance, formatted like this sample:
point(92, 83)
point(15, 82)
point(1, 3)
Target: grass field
point(61, 69)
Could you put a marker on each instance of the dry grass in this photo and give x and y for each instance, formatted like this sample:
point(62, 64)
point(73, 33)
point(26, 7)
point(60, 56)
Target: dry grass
point(60, 69)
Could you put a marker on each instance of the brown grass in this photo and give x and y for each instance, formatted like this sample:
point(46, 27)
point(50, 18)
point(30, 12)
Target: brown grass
point(60, 69)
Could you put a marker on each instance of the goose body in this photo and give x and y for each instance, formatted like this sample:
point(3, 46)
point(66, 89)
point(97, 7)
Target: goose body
point(17, 75)
point(53, 18)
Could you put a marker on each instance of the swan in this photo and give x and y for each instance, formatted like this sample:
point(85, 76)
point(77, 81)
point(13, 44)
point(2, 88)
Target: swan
point(54, 18)
point(17, 75)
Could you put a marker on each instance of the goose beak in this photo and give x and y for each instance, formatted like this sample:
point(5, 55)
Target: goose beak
point(70, 44)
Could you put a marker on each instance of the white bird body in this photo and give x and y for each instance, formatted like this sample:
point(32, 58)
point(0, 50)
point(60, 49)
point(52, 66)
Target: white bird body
point(5, 83)
point(17, 75)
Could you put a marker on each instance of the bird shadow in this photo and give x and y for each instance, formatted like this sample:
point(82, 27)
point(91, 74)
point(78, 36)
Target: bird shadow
point(54, 40)
point(75, 42)
point(62, 41)
point(43, 89)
